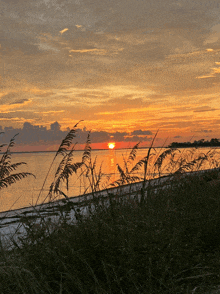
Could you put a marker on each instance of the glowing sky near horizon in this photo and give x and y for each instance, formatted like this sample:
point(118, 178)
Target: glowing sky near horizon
point(118, 65)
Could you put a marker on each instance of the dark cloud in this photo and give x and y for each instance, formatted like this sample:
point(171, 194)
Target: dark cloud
point(140, 132)
point(5, 116)
point(207, 131)
point(19, 101)
point(30, 134)
point(204, 131)
point(137, 139)
point(204, 109)
point(8, 98)
point(119, 136)
point(99, 137)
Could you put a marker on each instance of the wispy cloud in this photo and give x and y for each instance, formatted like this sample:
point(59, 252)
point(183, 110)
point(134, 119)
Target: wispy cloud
point(214, 72)
point(204, 109)
point(14, 106)
point(203, 131)
point(93, 51)
point(21, 101)
point(64, 30)
point(130, 110)
point(206, 76)
point(49, 112)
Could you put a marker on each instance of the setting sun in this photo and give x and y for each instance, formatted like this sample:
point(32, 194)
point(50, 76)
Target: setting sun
point(111, 145)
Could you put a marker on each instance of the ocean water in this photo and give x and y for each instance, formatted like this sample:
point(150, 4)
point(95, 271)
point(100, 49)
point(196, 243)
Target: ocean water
point(26, 192)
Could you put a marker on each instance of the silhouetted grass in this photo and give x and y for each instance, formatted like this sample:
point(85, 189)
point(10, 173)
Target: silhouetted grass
point(7, 177)
point(167, 241)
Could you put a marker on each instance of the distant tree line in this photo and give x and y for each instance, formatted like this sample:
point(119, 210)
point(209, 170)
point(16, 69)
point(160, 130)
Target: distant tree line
point(200, 143)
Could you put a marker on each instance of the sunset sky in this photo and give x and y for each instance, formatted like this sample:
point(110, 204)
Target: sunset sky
point(120, 66)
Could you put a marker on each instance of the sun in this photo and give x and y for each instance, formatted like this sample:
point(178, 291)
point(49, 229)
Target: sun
point(111, 145)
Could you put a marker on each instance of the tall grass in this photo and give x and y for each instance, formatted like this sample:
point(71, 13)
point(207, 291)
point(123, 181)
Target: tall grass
point(167, 244)
point(7, 177)
point(65, 168)
point(154, 164)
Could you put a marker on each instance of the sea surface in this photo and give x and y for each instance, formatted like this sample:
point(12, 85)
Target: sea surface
point(26, 192)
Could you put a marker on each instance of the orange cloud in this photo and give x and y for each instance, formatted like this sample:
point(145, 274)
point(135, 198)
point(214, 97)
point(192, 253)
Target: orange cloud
point(7, 107)
point(48, 112)
point(64, 30)
point(130, 110)
point(93, 51)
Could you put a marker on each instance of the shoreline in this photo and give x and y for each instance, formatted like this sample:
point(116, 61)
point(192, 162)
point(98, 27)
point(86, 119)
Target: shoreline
point(11, 220)
point(104, 193)
point(115, 149)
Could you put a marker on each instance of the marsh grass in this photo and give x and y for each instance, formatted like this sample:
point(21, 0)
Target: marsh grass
point(167, 241)
point(7, 169)
point(65, 168)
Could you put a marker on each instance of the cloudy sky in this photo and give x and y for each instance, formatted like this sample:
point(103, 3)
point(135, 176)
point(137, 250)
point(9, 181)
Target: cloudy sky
point(120, 66)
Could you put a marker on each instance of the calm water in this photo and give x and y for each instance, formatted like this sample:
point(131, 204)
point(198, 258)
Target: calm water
point(25, 192)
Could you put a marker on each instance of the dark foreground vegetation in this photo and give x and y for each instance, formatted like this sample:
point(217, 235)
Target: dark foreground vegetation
point(166, 241)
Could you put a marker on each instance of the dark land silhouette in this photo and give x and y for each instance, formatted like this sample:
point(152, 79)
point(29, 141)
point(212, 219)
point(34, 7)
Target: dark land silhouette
point(200, 143)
